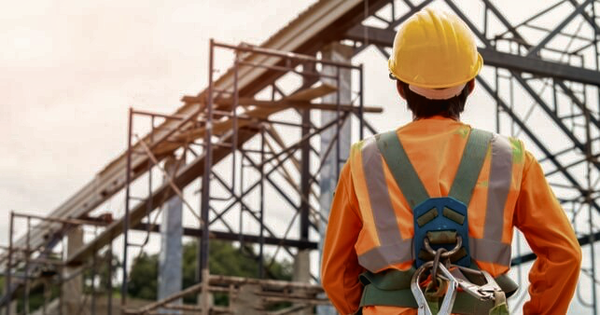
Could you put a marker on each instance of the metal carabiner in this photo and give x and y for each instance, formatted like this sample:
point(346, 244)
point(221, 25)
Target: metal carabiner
point(449, 298)
point(484, 292)
point(491, 286)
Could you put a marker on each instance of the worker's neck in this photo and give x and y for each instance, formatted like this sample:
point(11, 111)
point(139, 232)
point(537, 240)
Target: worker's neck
point(453, 117)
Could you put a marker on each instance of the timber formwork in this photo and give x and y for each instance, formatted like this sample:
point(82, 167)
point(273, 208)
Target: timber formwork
point(542, 74)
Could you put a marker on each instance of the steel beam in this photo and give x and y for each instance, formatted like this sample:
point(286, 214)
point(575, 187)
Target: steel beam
point(587, 17)
point(578, 10)
point(308, 32)
point(228, 236)
point(188, 173)
point(536, 140)
point(492, 57)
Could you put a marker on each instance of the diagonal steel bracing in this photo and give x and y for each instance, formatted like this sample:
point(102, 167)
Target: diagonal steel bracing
point(335, 20)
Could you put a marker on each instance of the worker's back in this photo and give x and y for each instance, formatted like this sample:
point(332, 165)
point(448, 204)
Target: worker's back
point(371, 225)
point(437, 195)
point(435, 148)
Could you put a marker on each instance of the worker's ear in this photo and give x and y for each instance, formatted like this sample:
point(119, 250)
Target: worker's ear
point(400, 89)
point(471, 85)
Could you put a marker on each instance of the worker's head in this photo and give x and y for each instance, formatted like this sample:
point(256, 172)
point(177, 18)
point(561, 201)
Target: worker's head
point(434, 61)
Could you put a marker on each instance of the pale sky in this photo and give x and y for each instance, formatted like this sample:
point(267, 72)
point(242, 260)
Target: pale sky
point(70, 70)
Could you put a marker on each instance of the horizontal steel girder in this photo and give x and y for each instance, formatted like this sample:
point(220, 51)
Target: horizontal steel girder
point(228, 236)
point(491, 57)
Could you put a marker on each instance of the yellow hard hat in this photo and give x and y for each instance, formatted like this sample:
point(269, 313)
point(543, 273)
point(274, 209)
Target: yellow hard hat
point(434, 49)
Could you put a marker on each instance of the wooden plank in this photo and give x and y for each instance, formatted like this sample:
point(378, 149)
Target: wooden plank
point(188, 173)
point(221, 127)
point(324, 17)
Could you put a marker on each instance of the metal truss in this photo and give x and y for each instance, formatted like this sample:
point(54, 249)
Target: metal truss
point(28, 268)
point(250, 136)
point(240, 152)
point(281, 163)
point(557, 78)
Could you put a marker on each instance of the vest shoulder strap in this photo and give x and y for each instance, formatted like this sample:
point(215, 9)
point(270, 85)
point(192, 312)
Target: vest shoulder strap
point(401, 168)
point(408, 180)
point(470, 165)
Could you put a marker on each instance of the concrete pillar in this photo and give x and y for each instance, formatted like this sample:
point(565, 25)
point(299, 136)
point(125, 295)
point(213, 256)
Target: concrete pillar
point(302, 266)
point(72, 288)
point(335, 52)
point(302, 259)
point(302, 273)
point(171, 253)
point(12, 306)
point(341, 53)
point(247, 301)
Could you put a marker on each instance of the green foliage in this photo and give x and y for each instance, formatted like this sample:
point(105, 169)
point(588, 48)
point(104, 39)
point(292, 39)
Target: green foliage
point(224, 259)
point(36, 297)
point(143, 277)
point(99, 274)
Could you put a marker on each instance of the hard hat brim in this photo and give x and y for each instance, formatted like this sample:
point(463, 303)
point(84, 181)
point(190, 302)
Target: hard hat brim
point(473, 74)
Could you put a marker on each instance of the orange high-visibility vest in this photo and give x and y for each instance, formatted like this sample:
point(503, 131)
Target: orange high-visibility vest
point(511, 191)
point(386, 240)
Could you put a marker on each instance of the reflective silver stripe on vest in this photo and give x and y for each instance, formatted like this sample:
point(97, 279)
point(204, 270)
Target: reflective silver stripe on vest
point(490, 248)
point(393, 248)
point(385, 255)
point(490, 251)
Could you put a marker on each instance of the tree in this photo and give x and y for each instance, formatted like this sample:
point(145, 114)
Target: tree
point(99, 274)
point(224, 259)
point(143, 281)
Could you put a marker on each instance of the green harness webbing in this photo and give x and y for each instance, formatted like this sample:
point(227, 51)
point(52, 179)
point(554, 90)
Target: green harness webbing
point(403, 171)
point(408, 180)
point(392, 287)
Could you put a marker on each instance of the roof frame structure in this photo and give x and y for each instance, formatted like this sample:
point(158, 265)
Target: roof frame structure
point(336, 20)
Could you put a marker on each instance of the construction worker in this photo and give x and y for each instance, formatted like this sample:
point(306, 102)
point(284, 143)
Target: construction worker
point(423, 216)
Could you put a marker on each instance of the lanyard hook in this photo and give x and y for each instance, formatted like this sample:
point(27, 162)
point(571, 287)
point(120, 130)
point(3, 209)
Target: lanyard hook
point(448, 302)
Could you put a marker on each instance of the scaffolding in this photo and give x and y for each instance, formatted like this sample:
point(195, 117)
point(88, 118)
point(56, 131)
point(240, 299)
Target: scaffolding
point(29, 267)
point(254, 134)
point(223, 126)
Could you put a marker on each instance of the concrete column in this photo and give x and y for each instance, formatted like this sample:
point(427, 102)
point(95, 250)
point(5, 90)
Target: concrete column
point(13, 308)
point(302, 273)
point(341, 53)
point(247, 301)
point(335, 52)
point(302, 266)
point(171, 253)
point(73, 287)
point(302, 259)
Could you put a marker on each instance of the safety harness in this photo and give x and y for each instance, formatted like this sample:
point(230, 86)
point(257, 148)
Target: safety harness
point(441, 242)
